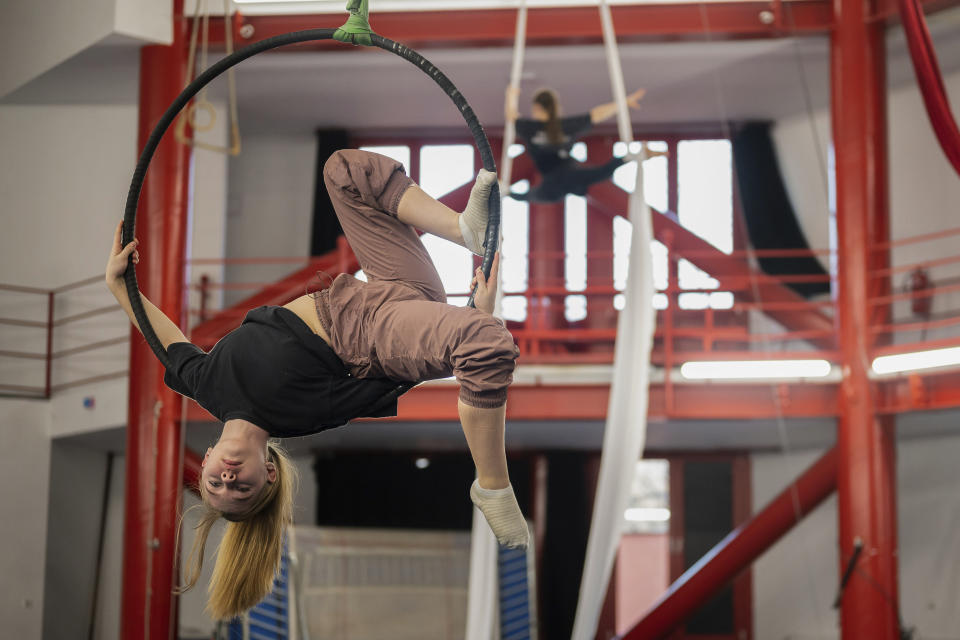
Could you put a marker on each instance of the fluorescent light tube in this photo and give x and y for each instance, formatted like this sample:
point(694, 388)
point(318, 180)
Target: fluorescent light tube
point(917, 360)
point(733, 369)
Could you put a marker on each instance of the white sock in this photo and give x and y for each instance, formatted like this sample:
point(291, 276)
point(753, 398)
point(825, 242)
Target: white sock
point(500, 508)
point(473, 220)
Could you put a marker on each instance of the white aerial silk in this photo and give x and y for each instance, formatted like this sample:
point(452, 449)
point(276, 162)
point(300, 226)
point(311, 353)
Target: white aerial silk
point(482, 593)
point(482, 596)
point(626, 426)
point(510, 127)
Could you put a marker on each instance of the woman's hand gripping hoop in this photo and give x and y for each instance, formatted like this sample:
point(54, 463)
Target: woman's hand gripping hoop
point(485, 287)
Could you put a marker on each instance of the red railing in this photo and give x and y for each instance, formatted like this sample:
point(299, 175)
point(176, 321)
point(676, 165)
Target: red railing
point(924, 307)
point(45, 329)
point(741, 330)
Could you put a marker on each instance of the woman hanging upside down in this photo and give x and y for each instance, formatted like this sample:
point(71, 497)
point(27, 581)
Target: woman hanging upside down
point(322, 360)
point(549, 139)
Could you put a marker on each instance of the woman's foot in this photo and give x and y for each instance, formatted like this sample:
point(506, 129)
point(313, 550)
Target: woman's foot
point(473, 220)
point(500, 508)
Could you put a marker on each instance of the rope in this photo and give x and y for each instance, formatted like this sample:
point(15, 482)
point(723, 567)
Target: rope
point(516, 69)
point(357, 8)
point(202, 103)
point(616, 76)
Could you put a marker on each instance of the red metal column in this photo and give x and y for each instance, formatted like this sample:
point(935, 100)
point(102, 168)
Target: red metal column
point(546, 266)
point(154, 443)
point(601, 313)
point(744, 545)
point(866, 475)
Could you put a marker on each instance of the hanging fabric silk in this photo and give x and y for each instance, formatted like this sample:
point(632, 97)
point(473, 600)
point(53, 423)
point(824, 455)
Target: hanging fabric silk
point(482, 596)
point(516, 69)
point(626, 426)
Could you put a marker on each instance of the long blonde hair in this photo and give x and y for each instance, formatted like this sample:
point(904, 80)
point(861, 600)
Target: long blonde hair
point(248, 557)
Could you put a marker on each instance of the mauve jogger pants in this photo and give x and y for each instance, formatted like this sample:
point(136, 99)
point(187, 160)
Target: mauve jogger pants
point(398, 324)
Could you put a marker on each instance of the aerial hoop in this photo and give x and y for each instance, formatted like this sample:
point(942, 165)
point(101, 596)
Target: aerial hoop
point(231, 60)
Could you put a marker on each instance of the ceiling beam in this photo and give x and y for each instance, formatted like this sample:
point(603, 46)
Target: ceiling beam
point(931, 391)
point(708, 21)
point(563, 25)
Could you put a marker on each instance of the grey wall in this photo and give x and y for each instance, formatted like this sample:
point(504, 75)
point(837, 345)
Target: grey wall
point(77, 479)
point(270, 206)
point(24, 481)
point(795, 582)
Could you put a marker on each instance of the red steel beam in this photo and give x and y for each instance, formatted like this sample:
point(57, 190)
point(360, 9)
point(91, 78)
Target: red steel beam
point(930, 392)
point(546, 267)
point(734, 553)
point(866, 478)
point(438, 402)
point(562, 25)
point(732, 270)
point(579, 25)
point(154, 446)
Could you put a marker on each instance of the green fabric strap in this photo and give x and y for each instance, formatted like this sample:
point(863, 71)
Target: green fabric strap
point(356, 29)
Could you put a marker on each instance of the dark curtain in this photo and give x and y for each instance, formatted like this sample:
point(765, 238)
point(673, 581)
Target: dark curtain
point(326, 227)
point(770, 219)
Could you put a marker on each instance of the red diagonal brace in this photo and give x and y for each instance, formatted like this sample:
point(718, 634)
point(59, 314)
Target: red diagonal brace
point(731, 271)
point(735, 552)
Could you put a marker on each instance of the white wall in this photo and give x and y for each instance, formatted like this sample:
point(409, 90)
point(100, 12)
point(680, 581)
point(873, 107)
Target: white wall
point(270, 206)
point(146, 20)
point(37, 35)
point(64, 175)
point(924, 188)
point(63, 180)
point(928, 485)
point(109, 593)
point(795, 582)
point(77, 478)
point(208, 235)
point(69, 152)
point(24, 477)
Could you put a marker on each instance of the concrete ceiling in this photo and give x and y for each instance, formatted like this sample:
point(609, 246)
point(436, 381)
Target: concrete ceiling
point(688, 83)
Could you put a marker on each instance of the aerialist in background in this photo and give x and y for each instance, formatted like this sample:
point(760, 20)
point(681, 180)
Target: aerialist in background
point(324, 359)
point(549, 139)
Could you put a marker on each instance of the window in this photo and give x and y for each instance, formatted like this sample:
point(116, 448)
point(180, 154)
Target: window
point(444, 168)
point(705, 207)
point(514, 267)
point(649, 507)
point(575, 261)
point(400, 153)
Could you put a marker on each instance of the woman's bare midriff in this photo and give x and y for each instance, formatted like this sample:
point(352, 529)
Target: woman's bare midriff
point(306, 310)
